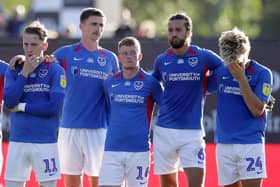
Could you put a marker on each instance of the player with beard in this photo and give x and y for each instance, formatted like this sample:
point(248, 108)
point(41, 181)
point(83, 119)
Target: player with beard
point(179, 134)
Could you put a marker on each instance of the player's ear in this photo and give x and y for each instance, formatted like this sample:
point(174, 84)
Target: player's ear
point(140, 56)
point(45, 46)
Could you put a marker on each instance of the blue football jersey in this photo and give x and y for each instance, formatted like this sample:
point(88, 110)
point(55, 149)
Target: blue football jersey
point(43, 92)
point(131, 105)
point(184, 79)
point(235, 123)
point(84, 103)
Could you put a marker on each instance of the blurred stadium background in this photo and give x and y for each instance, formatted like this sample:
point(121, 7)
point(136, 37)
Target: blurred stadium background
point(146, 20)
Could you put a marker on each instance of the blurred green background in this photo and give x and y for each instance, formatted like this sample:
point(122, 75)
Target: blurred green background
point(258, 18)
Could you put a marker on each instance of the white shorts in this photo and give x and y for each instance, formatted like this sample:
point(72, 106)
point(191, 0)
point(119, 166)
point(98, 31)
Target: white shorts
point(120, 166)
point(22, 157)
point(81, 150)
point(240, 161)
point(176, 148)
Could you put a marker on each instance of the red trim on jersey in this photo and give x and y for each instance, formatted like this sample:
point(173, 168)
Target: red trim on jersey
point(150, 106)
point(101, 51)
point(205, 80)
point(261, 117)
point(1, 87)
point(169, 52)
point(64, 64)
point(118, 75)
point(191, 52)
point(140, 76)
point(78, 48)
point(250, 70)
point(47, 64)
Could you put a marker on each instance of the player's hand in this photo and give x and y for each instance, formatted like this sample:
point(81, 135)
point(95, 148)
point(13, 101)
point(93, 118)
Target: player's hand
point(30, 64)
point(50, 58)
point(18, 59)
point(270, 103)
point(237, 71)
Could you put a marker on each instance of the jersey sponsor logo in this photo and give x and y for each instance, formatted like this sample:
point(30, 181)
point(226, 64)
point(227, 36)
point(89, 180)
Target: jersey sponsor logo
point(184, 76)
point(101, 61)
point(138, 85)
point(229, 89)
point(78, 58)
point(36, 88)
point(167, 63)
point(62, 81)
point(266, 89)
point(193, 61)
point(115, 85)
point(43, 73)
point(126, 98)
point(93, 74)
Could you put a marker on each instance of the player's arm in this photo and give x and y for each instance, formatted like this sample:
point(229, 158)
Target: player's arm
point(252, 101)
point(13, 88)
point(45, 109)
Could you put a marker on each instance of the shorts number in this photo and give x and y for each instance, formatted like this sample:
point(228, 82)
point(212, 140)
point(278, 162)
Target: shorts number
point(140, 173)
point(254, 163)
point(50, 166)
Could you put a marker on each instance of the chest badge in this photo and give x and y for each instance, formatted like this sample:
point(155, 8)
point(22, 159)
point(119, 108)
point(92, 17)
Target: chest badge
point(193, 61)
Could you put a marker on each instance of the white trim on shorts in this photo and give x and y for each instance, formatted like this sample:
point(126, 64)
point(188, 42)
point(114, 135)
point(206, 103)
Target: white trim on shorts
point(177, 148)
point(81, 150)
point(240, 162)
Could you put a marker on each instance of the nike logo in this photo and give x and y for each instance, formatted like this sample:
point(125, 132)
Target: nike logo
point(167, 63)
point(78, 59)
point(141, 183)
point(115, 85)
point(259, 172)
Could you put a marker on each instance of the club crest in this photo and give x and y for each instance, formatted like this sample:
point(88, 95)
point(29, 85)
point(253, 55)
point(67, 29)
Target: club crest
point(138, 85)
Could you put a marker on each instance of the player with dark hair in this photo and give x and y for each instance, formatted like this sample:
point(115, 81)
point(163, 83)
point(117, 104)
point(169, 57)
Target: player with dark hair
point(179, 134)
point(85, 117)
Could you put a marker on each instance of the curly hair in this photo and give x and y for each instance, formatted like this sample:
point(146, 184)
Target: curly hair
point(233, 44)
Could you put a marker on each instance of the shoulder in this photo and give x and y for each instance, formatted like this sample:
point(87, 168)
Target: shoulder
point(262, 71)
point(54, 67)
point(68, 48)
point(3, 66)
point(163, 56)
point(106, 52)
point(147, 76)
